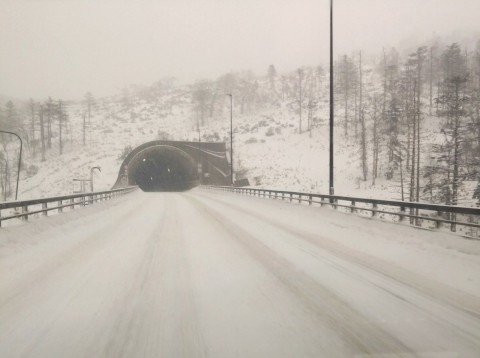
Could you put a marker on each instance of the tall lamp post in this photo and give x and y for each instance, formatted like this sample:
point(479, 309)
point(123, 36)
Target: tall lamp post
point(231, 137)
point(331, 186)
point(199, 163)
point(19, 159)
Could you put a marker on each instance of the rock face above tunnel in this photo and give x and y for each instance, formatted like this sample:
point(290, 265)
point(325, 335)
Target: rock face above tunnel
point(174, 166)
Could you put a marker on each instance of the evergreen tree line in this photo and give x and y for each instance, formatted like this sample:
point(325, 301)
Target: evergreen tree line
point(415, 120)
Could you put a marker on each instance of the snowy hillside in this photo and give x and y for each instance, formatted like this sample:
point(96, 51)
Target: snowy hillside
point(267, 147)
point(275, 145)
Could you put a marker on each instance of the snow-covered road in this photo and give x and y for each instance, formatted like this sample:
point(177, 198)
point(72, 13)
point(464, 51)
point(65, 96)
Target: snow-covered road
point(205, 274)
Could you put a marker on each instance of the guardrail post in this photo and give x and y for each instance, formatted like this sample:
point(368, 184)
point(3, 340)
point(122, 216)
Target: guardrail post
point(374, 207)
point(309, 200)
point(352, 209)
point(453, 226)
point(60, 209)
point(438, 223)
point(290, 197)
point(25, 211)
point(299, 198)
point(332, 203)
point(402, 213)
point(44, 207)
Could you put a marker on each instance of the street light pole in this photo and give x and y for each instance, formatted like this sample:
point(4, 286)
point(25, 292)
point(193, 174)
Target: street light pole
point(199, 163)
point(331, 185)
point(231, 137)
point(19, 159)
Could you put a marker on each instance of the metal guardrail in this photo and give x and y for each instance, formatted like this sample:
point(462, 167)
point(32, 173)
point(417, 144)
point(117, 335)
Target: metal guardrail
point(438, 214)
point(66, 201)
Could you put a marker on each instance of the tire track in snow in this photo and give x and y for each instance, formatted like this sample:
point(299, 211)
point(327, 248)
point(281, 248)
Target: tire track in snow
point(158, 315)
point(364, 336)
point(434, 290)
point(461, 324)
point(118, 288)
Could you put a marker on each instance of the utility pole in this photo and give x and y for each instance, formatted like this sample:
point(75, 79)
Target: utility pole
point(231, 137)
point(199, 163)
point(331, 100)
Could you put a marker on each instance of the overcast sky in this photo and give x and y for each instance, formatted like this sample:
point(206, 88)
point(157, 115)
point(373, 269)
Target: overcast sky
point(64, 48)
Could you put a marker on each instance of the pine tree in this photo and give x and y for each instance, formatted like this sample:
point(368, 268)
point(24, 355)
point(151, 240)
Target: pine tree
point(272, 75)
point(50, 108)
point(60, 116)
point(346, 80)
point(32, 126)
point(363, 138)
point(301, 76)
point(453, 102)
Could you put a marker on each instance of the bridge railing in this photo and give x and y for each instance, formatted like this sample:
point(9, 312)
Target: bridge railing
point(22, 209)
point(418, 214)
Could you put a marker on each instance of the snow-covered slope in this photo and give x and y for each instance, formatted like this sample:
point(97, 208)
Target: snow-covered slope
point(268, 148)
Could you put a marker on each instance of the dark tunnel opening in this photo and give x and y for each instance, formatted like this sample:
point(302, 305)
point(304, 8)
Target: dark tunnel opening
point(163, 168)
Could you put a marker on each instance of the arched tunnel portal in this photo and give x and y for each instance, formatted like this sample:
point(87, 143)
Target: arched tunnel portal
point(163, 168)
point(174, 166)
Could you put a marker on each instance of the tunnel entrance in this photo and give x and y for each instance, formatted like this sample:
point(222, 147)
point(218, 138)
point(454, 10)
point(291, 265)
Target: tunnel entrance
point(162, 168)
point(174, 166)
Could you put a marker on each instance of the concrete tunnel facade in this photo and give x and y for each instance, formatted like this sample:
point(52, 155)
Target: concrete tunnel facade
point(175, 166)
